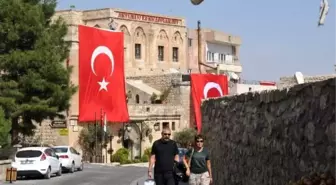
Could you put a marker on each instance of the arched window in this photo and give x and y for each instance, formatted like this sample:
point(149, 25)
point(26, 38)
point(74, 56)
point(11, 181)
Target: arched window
point(137, 99)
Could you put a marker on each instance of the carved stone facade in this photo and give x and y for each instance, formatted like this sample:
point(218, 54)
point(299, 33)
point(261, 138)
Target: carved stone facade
point(147, 38)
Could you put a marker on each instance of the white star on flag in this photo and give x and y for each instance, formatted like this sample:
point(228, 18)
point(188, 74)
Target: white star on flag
point(103, 85)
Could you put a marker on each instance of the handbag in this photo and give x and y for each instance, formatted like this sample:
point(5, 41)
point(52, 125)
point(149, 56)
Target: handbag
point(149, 182)
point(180, 170)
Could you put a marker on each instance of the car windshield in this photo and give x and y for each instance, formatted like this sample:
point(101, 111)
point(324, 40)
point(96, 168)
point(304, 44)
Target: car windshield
point(61, 150)
point(28, 153)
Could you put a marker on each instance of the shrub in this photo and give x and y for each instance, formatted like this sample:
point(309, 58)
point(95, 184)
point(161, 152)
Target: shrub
point(185, 136)
point(136, 161)
point(146, 155)
point(121, 156)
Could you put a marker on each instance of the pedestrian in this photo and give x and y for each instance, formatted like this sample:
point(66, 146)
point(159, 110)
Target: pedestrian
point(164, 154)
point(198, 163)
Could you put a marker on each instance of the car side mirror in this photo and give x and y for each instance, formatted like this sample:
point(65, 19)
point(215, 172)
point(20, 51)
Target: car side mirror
point(57, 156)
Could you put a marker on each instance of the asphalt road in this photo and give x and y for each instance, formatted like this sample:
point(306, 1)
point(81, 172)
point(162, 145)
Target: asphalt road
point(92, 175)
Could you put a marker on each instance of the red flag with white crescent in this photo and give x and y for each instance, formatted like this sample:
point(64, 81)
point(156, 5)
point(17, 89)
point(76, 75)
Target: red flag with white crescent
point(206, 86)
point(101, 75)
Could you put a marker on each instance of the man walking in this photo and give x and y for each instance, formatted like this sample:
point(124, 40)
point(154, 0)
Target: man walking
point(164, 154)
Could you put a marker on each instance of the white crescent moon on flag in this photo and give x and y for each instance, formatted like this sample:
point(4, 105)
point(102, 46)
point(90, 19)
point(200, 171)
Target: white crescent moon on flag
point(212, 85)
point(101, 50)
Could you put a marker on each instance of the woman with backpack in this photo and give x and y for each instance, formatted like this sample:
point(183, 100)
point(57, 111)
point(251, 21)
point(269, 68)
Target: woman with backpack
point(198, 163)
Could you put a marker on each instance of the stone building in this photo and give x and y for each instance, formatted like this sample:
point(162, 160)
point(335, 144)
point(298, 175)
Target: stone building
point(219, 49)
point(153, 45)
point(157, 54)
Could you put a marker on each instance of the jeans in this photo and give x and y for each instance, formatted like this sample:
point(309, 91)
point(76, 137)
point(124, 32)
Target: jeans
point(164, 178)
point(199, 179)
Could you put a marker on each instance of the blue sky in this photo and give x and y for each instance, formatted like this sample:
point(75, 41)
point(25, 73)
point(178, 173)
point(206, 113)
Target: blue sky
point(279, 37)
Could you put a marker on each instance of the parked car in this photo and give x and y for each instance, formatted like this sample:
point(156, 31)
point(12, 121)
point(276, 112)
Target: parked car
point(70, 158)
point(37, 161)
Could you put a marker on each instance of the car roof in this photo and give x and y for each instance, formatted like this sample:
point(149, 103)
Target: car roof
point(34, 148)
point(61, 146)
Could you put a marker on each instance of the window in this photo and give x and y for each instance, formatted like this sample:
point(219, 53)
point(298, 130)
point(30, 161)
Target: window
point(137, 99)
point(208, 56)
point(137, 51)
point(28, 153)
point(234, 51)
point(157, 126)
point(222, 58)
point(160, 53)
point(175, 54)
point(61, 150)
point(48, 152)
point(189, 42)
point(165, 124)
point(73, 151)
point(173, 125)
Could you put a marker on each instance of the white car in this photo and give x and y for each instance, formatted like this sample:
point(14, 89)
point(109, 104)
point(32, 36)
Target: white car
point(37, 161)
point(70, 158)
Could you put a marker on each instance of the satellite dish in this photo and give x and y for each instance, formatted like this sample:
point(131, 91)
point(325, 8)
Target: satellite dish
point(196, 2)
point(299, 77)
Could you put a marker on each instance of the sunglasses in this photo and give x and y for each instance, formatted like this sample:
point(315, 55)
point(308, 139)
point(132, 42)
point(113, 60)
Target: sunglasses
point(199, 141)
point(166, 134)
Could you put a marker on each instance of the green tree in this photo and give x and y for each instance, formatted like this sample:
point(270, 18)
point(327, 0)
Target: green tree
point(35, 83)
point(87, 138)
point(185, 136)
point(5, 127)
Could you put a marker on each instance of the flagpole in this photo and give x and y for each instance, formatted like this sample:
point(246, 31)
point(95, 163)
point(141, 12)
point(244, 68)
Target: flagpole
point(96, 138)
point(104, 135)
point(102, 139)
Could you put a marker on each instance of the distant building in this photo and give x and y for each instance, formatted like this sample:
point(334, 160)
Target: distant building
point(218, 49)
point(251, 86)
point(289, 81)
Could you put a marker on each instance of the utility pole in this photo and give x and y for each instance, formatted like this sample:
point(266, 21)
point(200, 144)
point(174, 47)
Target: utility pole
point(199, 42)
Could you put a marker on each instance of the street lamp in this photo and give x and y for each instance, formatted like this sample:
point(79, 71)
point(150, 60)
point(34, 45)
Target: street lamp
point(196, 2)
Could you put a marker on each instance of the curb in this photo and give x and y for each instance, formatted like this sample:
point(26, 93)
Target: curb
point(121, 165)
point(106, 164)
point(136, 165)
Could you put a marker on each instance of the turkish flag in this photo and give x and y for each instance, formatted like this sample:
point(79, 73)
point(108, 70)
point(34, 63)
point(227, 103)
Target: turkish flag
point(206, 86)
point(101, 75)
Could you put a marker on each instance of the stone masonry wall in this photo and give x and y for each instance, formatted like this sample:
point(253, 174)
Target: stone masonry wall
point(289, 81)
point(162, 83)
point(270, 138)
point(179, 95)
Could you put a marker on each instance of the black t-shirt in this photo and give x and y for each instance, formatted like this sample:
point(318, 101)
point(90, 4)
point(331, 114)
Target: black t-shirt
point(165, 152)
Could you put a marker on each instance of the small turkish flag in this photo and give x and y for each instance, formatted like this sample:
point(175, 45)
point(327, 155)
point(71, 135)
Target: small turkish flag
point(101, 75)
point(206, 86)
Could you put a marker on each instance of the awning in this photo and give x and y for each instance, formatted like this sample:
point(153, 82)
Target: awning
point(139, 84)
